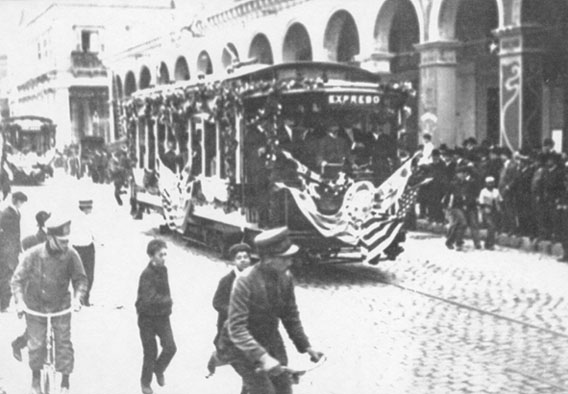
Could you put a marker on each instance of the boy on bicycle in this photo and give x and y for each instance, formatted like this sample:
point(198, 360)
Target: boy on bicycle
point(154, 307)
point(41, 283)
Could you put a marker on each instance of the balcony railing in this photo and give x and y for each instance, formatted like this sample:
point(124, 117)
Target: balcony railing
point(87, 64)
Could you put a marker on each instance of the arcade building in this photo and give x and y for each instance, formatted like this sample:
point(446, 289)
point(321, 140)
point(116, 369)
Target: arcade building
point(490, 69)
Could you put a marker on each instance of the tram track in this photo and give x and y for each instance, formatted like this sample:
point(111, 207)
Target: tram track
point(364, 274)
point(377, 276)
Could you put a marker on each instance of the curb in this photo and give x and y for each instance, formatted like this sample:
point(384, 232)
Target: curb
point(547, 248)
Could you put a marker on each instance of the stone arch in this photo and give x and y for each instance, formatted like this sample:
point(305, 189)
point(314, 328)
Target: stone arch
point(229, 55)
point(204, 64)
point(145, 78)
point(163, 74)
point(398, 26)
point(341, 38)
point(181, 69)
point(297, 44)
point(261, 49)
point(129, 84)
point(444, 15)
point(118, 87)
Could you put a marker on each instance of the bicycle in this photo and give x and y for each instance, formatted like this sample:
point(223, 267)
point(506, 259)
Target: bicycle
point(48, 372)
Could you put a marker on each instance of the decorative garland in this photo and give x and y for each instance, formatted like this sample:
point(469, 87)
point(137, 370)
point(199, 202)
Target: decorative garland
point(224, 100)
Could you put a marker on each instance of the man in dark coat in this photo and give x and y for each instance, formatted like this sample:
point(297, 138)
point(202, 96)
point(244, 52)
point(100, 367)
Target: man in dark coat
point(261, 298)
point(508, 180)
point(170, 158)
point(240, 257)
point(10, 246)
point(333, 150)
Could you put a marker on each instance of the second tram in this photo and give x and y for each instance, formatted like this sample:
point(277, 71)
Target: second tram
point(29, 148)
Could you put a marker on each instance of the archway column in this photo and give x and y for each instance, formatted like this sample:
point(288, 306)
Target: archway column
point(521, 85)
point(438, 78)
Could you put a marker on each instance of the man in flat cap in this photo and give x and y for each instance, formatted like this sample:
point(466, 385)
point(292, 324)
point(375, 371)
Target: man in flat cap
point(41, 283)
point(262, 297)
point(10, 246)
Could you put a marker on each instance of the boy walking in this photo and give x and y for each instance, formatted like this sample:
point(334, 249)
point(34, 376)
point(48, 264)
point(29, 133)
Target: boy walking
point(154, 307)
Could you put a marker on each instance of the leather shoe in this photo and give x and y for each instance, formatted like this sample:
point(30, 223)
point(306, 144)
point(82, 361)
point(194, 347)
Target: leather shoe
point(147, 390)
point(160, 379)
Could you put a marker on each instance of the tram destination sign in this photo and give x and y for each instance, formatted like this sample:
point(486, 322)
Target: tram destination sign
point(353, 99)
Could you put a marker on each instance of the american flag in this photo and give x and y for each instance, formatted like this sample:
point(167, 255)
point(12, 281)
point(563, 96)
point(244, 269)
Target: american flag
point(381, 228)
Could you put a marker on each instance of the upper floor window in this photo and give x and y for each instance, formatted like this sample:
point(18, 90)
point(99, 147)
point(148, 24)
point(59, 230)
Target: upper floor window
point(88, 39)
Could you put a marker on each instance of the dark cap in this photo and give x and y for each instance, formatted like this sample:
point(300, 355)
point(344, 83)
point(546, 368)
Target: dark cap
point(41, 217)
point(240, 247)
point(59, 226)
point(276, 242)
point(19, 196)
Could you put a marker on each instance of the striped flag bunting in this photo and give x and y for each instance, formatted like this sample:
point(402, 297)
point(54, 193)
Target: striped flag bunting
point(381, 228)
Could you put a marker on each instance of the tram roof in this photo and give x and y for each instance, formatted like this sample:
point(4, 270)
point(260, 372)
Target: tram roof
point(30, 123)
point(350, 75)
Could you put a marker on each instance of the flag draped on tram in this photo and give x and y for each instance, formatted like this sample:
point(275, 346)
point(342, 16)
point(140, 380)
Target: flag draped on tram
point(173, 198)
point(369, 217)
point(380, 229)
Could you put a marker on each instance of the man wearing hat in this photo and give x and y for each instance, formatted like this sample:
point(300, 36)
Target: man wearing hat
point(262, 297)
point(10, 246)
point(41, 283)
point(84, 243)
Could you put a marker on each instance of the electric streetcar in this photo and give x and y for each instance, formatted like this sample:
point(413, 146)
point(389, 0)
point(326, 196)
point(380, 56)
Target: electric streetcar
point(295, 144)
point(29, 148)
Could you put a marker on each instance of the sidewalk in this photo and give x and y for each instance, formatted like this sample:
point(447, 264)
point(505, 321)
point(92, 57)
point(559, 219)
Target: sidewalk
point(526, 244)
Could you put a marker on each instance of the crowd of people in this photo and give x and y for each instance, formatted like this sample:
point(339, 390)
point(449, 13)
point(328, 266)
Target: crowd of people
point(523, 193)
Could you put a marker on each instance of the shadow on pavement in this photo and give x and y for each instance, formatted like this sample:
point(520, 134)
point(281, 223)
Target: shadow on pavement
point(343, 275)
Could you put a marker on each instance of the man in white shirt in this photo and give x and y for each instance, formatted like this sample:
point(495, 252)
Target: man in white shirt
point(427, 148)
point(84, 243)
point(490, 202)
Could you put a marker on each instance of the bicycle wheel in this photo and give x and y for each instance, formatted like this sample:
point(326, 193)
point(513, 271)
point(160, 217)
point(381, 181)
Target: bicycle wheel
point(48, 379)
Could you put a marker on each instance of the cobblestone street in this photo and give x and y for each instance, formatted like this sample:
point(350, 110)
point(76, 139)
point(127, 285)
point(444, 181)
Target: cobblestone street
point(435, 321)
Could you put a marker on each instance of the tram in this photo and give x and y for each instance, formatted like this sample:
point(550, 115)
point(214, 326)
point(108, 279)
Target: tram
point(264, 146)
point(29, 148)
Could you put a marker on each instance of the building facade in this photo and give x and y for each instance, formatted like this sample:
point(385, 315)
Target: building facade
point(489, 69)
point(55, 69)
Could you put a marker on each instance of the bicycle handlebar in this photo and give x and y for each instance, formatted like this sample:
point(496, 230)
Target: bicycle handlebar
point(298, 371)
point(47, 315)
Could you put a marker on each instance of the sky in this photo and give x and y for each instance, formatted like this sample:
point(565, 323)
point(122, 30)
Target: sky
point(11, 11)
